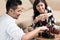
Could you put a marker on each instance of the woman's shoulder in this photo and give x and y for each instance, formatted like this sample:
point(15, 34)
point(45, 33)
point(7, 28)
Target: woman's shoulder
point(49, 9)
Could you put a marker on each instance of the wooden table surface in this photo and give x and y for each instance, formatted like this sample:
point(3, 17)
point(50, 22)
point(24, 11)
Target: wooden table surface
point(57, 37)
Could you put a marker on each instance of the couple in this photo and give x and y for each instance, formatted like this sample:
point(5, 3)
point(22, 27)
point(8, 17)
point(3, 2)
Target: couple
point(8, 28)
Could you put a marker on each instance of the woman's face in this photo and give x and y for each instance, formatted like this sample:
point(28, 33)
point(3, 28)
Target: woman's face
point(40, 7)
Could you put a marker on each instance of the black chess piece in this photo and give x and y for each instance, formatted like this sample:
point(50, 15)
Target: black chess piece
point(46, 34)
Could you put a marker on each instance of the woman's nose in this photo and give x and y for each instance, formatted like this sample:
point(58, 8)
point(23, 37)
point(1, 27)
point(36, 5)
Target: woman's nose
point(40, 7)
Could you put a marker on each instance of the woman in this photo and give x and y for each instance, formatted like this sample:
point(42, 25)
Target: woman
point(42, 16)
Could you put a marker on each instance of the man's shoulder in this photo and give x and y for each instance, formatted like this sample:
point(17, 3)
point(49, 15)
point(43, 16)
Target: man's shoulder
point(9, 18)
point(6, 19)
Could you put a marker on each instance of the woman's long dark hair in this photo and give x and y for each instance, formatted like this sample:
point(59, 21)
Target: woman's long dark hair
point(36, 12)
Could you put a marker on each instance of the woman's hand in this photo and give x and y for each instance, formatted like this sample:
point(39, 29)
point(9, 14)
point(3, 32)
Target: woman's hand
point(38, 18)
point(41, 17)
point(47, 15)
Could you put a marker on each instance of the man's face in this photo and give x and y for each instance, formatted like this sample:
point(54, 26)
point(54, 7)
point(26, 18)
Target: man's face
point(15, 13)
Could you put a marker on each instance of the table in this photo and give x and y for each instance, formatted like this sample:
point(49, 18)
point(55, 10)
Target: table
point(57, 37)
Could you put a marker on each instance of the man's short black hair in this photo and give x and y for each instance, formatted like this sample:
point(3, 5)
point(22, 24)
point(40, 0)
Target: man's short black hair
point(12, 4)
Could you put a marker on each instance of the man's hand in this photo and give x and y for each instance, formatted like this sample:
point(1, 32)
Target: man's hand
point(43, 28)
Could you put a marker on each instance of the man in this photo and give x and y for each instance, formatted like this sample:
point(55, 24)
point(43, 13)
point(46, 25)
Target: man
point(8, 28)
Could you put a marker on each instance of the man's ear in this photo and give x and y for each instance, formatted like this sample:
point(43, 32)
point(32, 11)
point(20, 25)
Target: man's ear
point(11, 10)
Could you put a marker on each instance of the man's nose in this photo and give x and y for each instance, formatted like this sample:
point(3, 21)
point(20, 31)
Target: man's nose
point(18, 15)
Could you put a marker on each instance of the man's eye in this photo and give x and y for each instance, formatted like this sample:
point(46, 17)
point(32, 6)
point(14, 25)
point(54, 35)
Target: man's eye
point(19, 11)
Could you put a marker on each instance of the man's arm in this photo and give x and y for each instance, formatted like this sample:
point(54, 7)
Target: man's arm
point(31, 34)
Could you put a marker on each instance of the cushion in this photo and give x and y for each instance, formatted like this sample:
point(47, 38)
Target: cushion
point(25, 19)
point(2, 7)
point(26, 4)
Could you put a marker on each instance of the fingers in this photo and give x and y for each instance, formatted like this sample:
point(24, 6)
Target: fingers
point(42, 17)
point(43, 28)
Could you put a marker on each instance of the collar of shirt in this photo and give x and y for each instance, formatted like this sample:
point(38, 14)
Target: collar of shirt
point(10, 17)
point(6, 16)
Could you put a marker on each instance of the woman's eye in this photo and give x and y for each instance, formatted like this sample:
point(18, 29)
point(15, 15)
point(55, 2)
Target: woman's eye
point(41, 5)
point(37, 5)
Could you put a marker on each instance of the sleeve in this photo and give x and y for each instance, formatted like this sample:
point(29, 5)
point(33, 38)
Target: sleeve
point(14, 31)
point(49, 10)
point(51, 20)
